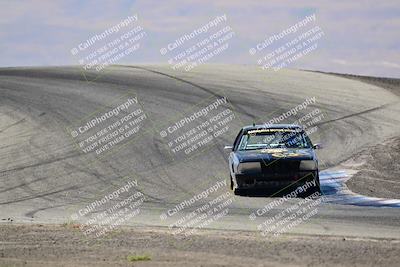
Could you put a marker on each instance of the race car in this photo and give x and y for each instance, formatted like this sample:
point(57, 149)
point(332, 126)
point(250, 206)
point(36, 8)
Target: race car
point(276, 156)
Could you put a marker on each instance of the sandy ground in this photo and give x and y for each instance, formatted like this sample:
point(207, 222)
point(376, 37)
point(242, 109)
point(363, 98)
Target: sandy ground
point(51, 245)
point(379, 171)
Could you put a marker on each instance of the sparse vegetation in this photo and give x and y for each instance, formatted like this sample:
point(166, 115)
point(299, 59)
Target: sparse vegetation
point(132, 258)
point(68, 223)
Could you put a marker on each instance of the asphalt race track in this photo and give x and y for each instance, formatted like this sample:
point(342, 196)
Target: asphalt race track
point(45, 178)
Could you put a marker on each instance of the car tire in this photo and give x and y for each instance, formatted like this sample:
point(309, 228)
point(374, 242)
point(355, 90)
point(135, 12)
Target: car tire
point(317, 187)
point(239, 192)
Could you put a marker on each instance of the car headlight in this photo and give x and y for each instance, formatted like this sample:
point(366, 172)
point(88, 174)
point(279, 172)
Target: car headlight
point(249, 167)
point(308, 165)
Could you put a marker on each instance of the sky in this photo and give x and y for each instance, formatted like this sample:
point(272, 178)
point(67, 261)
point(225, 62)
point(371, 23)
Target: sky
point(360, 37)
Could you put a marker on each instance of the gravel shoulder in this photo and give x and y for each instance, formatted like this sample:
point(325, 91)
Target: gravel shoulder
point(64, 245)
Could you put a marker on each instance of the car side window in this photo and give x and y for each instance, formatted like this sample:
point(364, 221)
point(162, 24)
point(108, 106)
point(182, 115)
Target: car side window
point(236, 143)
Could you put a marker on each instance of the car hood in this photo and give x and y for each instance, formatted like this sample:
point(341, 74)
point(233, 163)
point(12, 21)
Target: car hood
point(276, 153)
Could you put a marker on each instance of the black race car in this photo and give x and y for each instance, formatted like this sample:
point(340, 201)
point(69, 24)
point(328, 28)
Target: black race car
point(276, 156)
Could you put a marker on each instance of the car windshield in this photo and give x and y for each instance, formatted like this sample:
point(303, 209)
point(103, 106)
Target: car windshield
point(274, 138)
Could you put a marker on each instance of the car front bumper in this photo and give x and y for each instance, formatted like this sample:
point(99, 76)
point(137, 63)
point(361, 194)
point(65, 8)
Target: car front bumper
point(275, 180)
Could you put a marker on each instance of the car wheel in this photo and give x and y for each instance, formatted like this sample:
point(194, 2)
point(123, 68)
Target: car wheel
point(239, 192)
point(317, 187)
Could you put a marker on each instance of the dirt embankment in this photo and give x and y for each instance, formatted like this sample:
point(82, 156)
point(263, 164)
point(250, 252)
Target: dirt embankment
point(391, 84)
point(378, 167)
point(378, 170)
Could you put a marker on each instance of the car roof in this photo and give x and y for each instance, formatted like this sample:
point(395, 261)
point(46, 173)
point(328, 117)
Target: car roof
point(271, 126)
